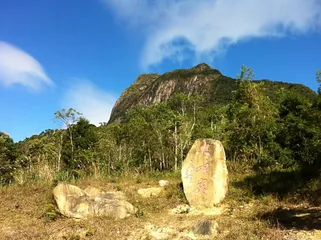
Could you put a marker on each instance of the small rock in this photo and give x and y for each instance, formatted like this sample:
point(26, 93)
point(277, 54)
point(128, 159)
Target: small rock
point(163, 183)
point(181, 209)
point(150, 192)
point(163, 233)
point(205, 227)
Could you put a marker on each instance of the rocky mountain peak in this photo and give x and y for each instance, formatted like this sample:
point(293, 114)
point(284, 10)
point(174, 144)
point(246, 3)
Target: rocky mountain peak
point(200, 80)
point(153, 88)
point(201, 67)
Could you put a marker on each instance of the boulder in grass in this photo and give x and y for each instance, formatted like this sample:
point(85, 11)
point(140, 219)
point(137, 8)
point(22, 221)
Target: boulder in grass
point(74, 202)
point(150, 192)
point(204, 174)
point(163, 183)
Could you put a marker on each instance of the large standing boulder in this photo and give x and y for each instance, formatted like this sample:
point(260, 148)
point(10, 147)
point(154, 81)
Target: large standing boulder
point(204, 174)
point(77, 203)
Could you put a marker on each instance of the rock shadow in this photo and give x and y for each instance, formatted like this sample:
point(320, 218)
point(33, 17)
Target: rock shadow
point(277, 183)
point(298, 218)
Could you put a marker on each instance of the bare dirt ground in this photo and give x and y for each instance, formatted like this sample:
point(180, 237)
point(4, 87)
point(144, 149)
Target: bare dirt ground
point(28, 212)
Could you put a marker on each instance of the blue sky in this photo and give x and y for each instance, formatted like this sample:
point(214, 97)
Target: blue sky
point(83, 54)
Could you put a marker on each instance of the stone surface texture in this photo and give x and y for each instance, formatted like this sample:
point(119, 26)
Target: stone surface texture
point(163, 183)
point(204, 174)
point(77, 203)
point(150, 192)
point(205, 227)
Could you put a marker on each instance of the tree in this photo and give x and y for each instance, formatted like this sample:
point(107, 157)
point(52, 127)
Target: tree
point(184, 109)
point(248, 92)
point(298, 130)
point(141, 138)
point(68, 118)
point(109, 149)
point(318, 77)
point(158, 119)
point(8, 156)
point(252, 118)
point(85, 139)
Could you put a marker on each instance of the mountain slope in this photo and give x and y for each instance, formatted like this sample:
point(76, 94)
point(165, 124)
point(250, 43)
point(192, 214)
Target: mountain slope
point(199, 80)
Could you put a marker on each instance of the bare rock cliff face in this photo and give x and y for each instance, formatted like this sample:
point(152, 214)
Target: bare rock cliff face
point(199, 80)
point(154, 88)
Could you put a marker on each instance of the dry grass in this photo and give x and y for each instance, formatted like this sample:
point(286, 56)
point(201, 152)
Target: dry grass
point(27, 212)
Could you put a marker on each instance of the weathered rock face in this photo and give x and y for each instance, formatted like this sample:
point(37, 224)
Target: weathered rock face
point(154, 88)
point(204, 174)
point(76, 203)
point(201, 80)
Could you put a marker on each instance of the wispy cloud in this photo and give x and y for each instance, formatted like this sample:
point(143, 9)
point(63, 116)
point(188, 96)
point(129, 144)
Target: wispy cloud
point(18, 67)
point(206, 27)
point(86, 98)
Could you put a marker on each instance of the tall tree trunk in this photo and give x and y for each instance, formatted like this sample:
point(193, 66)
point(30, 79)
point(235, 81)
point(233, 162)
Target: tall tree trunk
point(176, 147)
point(72, 144)
point(59, 153)
point(119, 153)
point(163, 160)
point(150, 160)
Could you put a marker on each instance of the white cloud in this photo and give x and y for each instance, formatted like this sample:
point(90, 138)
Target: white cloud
point(209, 26)
point(86, 98)
point(18, 67)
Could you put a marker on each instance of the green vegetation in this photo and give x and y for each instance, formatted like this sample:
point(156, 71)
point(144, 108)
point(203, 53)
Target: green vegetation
point(8, 158)
point(272, 140)
point(269, 136)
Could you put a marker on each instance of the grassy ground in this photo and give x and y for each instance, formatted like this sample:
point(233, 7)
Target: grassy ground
point(249, 211)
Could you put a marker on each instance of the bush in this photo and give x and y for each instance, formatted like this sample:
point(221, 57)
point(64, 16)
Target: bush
point(8, 155)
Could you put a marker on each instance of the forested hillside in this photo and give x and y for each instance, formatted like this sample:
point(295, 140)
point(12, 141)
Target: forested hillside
point(265, 125)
